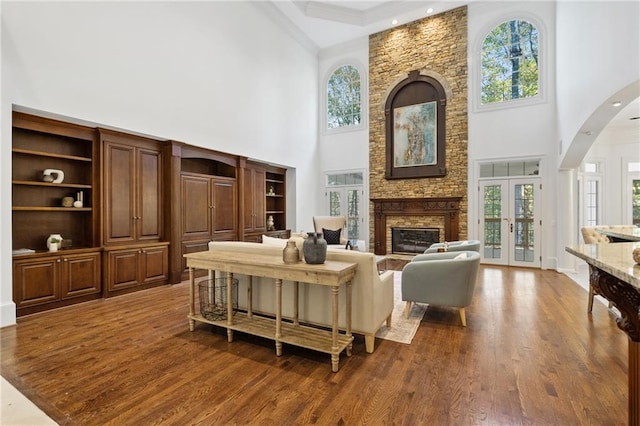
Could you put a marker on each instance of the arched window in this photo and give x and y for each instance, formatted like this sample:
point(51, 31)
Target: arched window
point(510, 62)
point(344, 98)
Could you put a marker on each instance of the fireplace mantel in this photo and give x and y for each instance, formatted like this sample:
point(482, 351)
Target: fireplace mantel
point(447, 207)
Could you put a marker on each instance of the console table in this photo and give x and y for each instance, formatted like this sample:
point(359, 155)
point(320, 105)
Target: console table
point(331, 273)
point(614, 275)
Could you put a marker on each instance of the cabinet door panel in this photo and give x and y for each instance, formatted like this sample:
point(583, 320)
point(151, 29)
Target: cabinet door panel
point(80, 275)
point(36, 281)
point(259, 200)
point(155, 264)
point(123, 269)
point(196, 211)
point(119, 190)
point(224, 207)
point(149, 184)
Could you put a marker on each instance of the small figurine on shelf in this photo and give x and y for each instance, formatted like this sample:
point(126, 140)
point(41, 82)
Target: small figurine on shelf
point(271, 190)
point(270, 224)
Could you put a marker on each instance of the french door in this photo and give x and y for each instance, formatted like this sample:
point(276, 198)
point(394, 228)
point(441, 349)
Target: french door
point(510, 221)
point(347, 201)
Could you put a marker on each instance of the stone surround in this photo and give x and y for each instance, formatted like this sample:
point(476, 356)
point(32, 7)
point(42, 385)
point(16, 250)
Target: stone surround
point(437, 46)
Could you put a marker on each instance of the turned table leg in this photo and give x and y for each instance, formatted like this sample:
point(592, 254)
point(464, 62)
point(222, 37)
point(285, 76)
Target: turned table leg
point(278, 316)
point(335, 355)
point(192, 311)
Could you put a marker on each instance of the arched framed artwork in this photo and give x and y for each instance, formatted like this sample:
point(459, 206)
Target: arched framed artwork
point(415, 114)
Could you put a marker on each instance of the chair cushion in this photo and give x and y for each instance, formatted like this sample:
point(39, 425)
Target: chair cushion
point(332, 236)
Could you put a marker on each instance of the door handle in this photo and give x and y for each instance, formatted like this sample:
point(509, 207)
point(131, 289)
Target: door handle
point(511, 227)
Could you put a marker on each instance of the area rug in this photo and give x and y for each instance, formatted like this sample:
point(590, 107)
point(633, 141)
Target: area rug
point(402, 329)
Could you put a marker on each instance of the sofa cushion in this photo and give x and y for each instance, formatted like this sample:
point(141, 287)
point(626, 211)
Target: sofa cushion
point(332, 236)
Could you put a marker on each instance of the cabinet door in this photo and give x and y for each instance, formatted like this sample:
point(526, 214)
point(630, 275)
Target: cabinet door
point(123, 269)
point(154, 264)
point(119, 200)
point(196, 207)
point(148, 185)
point(36, 281)
point(254, 200)
point(224, 209)
point(80, 275)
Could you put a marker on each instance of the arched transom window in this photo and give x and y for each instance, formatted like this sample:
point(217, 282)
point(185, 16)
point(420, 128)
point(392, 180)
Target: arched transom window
point(510, 56)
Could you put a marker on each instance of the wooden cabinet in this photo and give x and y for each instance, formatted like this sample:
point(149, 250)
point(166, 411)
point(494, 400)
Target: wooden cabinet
point(135, 256)
point(209, 211)
point(254, 199)
point(133, 268)
point(209, 208)
point(133, 195)
point(46, 280)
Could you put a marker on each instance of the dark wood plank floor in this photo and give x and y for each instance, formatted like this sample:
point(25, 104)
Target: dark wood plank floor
point(530, 355)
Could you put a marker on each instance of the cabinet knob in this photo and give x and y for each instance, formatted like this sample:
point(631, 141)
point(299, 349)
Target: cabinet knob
point(58, 260)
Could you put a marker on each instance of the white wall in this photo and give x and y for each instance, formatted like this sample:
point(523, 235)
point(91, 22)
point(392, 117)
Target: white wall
point(344, 150)
point(519, 129)
point(598, 58)
point(221, 75)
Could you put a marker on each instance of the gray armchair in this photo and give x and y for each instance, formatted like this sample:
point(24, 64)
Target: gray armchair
point(464, 245)
point(442, 279)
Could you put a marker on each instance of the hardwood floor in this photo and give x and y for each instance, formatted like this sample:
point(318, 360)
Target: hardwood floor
point(530, 355)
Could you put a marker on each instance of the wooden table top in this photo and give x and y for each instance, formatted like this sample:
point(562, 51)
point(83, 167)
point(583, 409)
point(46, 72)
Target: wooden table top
point(330, 273)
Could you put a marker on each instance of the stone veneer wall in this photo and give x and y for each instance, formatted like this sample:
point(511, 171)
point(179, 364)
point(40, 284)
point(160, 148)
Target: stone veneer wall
point(435, 44)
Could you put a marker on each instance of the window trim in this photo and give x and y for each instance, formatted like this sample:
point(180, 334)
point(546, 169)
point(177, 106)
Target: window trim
point(364, 116)
point(543, 54)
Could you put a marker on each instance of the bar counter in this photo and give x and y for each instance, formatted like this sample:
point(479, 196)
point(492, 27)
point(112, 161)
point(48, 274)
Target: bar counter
point(615, 276)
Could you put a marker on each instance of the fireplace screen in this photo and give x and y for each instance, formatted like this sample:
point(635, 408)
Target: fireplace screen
point(413, 240)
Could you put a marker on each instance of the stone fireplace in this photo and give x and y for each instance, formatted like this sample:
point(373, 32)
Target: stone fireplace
point(436, 46)
point(444, 210)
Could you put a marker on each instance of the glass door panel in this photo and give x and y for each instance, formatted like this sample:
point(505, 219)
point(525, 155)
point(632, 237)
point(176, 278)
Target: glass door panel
point(509, 223)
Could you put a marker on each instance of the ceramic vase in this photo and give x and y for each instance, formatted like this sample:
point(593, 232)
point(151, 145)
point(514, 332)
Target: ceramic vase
point(314, 248)
point(291, 254)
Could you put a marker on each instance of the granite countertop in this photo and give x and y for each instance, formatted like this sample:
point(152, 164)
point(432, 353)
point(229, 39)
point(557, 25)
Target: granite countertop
point(631, 235)
point(614, 258)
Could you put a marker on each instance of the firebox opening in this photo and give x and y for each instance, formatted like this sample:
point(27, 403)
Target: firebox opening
point(413, 240)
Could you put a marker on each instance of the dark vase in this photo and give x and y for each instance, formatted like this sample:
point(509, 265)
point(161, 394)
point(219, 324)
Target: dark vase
point(314, 248)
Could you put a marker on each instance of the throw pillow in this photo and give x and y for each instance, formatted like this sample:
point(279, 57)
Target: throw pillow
point(271, 241)
point(332, 237)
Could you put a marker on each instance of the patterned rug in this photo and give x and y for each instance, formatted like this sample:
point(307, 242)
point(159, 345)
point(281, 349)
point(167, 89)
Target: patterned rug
point(402, 329)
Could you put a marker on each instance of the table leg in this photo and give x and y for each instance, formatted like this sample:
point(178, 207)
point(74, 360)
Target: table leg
point(296, 286)
point(250, 297)
point(229, 306)
point(192, 311)
point(335, 354)
point(349, 318)
point(626, 298)
point(278, 316)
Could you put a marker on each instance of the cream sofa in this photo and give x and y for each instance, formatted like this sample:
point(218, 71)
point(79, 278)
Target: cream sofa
point(372, 293)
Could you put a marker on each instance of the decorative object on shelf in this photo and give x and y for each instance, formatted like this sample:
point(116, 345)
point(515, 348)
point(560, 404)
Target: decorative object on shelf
point(79, 200)
point(314, 248)
point(636, 255)
point(291, 254)
point(67, 201)
point(444, 248)
point(52, 175)
point(54, 241)
point(271, 190)
point(270, 224)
